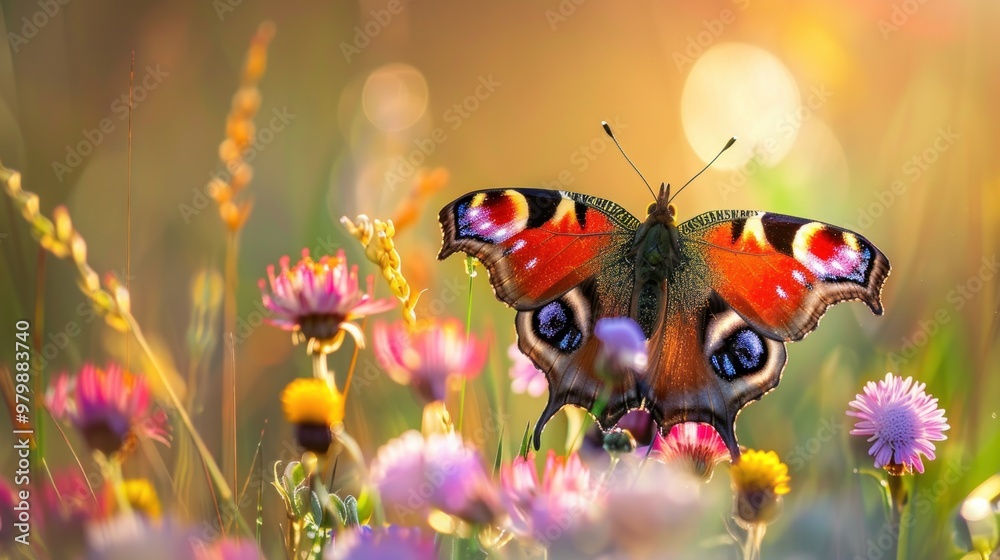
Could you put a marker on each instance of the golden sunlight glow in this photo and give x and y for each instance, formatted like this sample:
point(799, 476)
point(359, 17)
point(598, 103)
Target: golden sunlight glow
point(740, 90)
point(395, 97)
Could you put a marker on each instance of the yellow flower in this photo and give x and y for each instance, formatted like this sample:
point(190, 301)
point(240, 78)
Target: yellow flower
point(312, 401)
point(759, 480)
point(140, 495)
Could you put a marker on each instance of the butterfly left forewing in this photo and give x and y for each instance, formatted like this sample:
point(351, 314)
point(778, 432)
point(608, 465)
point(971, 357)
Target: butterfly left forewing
point(537, 244)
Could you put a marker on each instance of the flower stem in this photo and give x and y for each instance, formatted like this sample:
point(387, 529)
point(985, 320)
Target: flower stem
point(899, 498)
point(213, 468)
point(468, 333)
point(755, 535)
point(320, 369)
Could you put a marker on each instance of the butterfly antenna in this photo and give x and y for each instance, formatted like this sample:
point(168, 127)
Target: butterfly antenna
point(707, 165)
point(607, 129)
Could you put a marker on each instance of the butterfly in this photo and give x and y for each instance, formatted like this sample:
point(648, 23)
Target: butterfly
point(717, 296)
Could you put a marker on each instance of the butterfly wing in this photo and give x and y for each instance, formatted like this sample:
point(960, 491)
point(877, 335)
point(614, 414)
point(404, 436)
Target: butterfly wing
point(749, 282)
point(537, 244)
point(562, 260)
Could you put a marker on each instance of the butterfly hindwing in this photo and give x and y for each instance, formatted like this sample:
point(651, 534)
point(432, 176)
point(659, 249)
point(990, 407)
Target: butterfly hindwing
point(537, 244)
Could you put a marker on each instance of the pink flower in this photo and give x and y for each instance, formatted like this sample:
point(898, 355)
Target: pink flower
point(696, 447)
point(546, 510)
point(230, 549)
point(8, 499)
point(524, 376)
point(414, 475)
point(67, 507)
point(110, 407)
point(319, 299)
point(429, 355)
point(902, 420)
point(390, 543)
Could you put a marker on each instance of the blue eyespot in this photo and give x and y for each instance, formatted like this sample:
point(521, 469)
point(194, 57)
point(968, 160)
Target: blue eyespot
point(555, 323)
point(742, 353)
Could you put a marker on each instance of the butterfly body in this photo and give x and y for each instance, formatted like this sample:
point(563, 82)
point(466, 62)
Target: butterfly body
point(717, 296)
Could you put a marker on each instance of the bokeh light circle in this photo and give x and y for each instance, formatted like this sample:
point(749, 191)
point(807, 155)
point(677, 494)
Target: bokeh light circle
point(740, 90)
point(394, 97)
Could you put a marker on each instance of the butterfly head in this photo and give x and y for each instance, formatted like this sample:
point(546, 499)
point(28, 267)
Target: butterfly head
point(662, 210)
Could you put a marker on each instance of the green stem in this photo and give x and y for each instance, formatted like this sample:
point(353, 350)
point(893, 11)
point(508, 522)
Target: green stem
point(595, 411)
point(468, 334)
point(899, 499)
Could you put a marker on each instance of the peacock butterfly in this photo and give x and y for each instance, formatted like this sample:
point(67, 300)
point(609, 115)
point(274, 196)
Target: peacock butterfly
point(717, 296)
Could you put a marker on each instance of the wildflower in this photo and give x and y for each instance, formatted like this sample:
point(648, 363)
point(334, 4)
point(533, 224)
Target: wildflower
point(646, 516)
point(416, 475)
point(319, 300)
point(540, 510)
point(695, 447)
point(760, 479)
point(126, 537)
point(312, 406)
point(8, 499)
point(110, 407)
point(230, 549)
point(428, 356)
point(376, 236)
point(902, 421)
point(524, 376)
point(623, 344)
point(140, 495)
point(389, 543)
point(67, 507)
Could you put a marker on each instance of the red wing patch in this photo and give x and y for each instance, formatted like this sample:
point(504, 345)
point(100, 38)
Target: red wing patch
point(782, 273)
point(537, 244)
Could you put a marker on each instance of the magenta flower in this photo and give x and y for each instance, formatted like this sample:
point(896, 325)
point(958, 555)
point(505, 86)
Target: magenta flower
point(547, 509)
point(110, 407)
point(319, 300)
point(524, 376)
point(415, 475)
point(8, 516)
point(902, 421)
point(67, 508)
point(693, 446)
point(623, 344)
point(426, 357)
point(390, 543)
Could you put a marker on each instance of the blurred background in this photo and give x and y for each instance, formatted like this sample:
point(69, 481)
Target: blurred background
point(873, 115)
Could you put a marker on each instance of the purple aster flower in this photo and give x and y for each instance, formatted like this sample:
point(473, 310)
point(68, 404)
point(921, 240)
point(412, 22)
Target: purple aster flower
point(545, 510)
point(902, 421)
point(623, 344)
point(524, 376)
point(110, 407)
point(319, 299)
point(390, 543)
point(415, 475)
